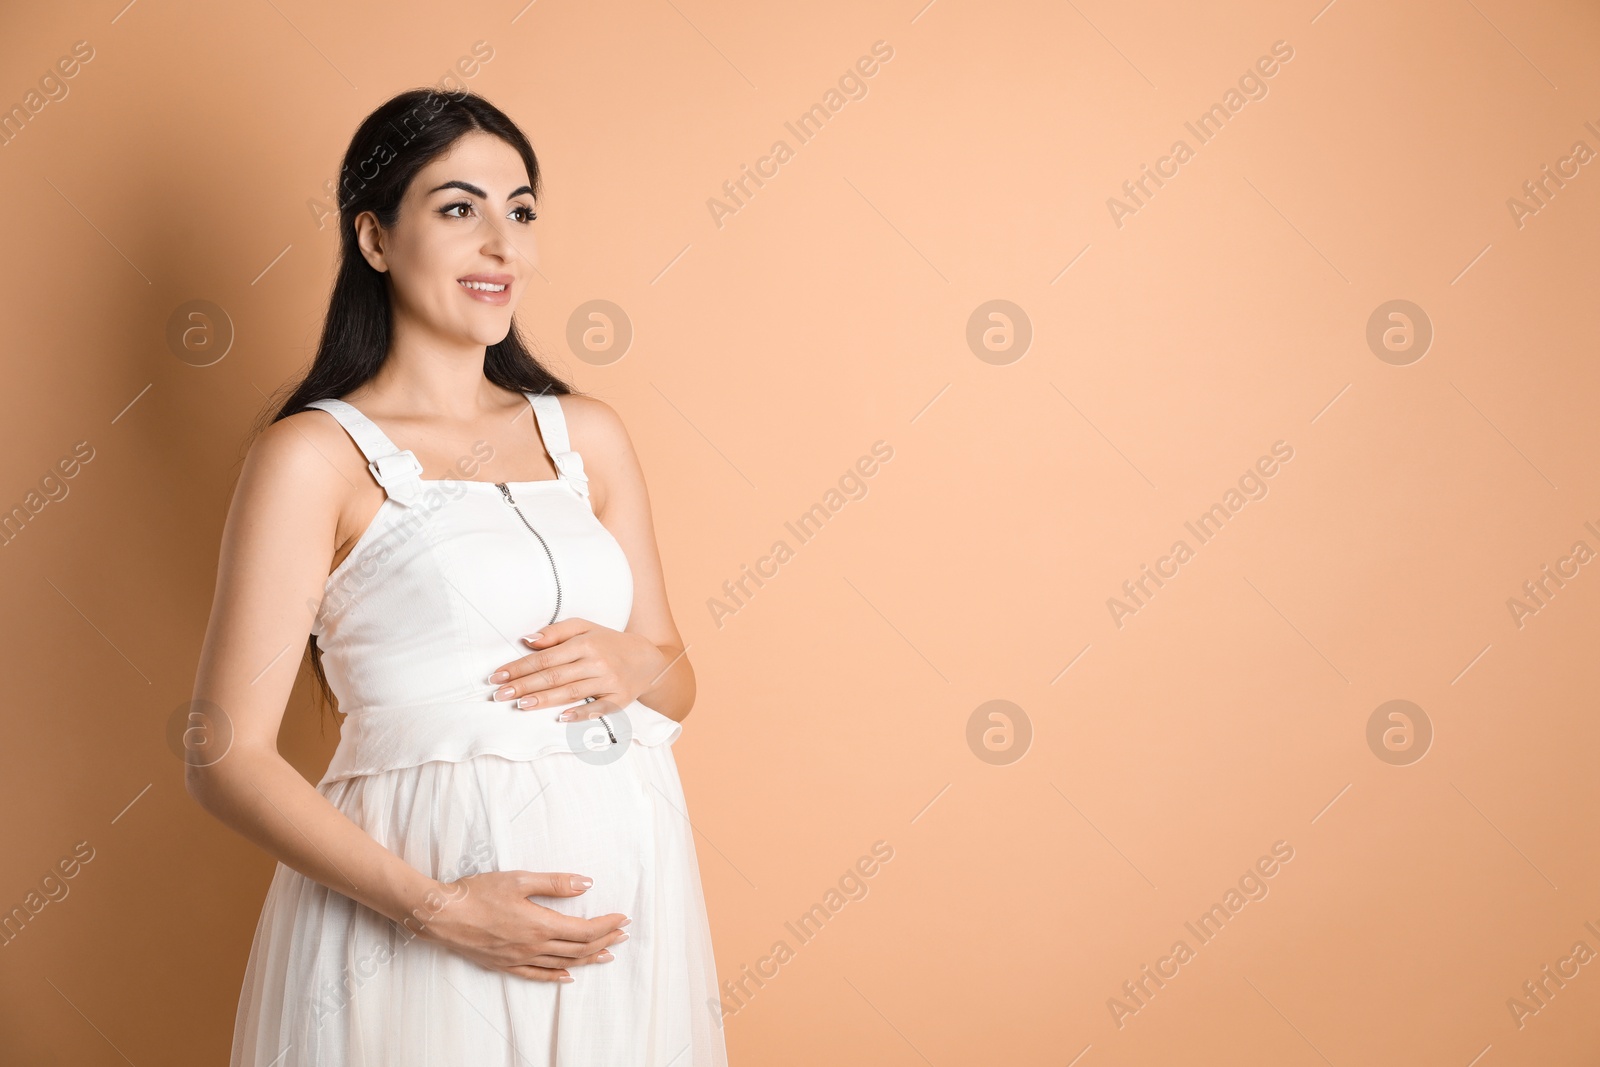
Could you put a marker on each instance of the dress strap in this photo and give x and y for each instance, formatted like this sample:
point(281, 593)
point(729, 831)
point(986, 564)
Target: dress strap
point(397, 470)
point(553, 429)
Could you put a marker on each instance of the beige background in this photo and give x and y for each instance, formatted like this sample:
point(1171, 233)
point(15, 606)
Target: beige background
point(829, 312)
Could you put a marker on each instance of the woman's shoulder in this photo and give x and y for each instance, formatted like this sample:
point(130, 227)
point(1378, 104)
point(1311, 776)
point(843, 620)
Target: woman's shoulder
point(289, 438)
point(307, 450)
point(592, 425)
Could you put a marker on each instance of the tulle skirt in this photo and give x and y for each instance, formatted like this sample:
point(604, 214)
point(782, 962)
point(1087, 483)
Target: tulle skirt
point(332, 983)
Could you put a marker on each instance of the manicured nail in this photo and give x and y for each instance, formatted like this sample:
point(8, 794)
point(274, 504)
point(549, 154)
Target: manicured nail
point(502, 694)
point(625, 922)
point(531, 638)
point(566, 978)
point(620, 939)
point(604, 957)
point(527, 702)
point(499, 676)
point(580, 882)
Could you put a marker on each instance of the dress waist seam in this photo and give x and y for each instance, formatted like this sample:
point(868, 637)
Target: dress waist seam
point(378, 738)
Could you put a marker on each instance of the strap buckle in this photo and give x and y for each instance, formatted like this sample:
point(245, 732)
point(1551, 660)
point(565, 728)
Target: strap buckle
point(395, 468)
point(569, 465)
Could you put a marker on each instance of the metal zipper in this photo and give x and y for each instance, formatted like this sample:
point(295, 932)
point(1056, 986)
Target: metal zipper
point(507, 493)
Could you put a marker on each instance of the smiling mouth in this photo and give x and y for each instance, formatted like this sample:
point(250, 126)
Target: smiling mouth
point(485, 287)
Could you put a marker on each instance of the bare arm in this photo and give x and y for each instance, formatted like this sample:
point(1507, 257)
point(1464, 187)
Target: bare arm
point(275, 547)
point(622, 503)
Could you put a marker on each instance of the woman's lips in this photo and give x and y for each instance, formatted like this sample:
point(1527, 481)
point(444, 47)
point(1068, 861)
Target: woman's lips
point(487, 288)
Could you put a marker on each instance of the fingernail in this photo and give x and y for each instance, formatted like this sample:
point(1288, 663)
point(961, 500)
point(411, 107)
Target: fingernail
point(581, 883)
point(527, 702)
point(604, 957)
point(566, 978)
point(501, 694)
point(531, 638)
point(499, 676)
point(625, 922)
point(621, 938)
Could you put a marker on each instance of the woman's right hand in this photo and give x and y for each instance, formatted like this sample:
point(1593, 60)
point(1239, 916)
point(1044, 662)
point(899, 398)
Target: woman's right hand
point(489, 919)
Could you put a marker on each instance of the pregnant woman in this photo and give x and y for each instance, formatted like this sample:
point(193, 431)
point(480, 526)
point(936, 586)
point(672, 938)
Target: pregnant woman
point(498, 866)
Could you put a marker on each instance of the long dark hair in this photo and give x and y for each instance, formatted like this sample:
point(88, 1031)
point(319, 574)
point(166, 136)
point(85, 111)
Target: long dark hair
point(391, 145)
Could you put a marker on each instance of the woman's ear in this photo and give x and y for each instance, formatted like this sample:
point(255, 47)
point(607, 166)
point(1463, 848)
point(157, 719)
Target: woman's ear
point(369, 237)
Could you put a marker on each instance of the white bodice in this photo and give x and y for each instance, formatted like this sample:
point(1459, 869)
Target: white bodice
point(438, 592)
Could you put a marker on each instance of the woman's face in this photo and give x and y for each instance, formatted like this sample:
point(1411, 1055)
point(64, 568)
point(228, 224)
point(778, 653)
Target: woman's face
point(462, 249)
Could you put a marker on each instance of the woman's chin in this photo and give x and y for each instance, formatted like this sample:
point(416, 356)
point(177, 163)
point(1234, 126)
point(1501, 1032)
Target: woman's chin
point(488, 333)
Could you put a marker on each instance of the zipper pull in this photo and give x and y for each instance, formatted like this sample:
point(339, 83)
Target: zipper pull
point(506, 493)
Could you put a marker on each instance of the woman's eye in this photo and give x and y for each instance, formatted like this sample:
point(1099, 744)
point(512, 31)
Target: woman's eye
point(463, 205)
point(527, 214)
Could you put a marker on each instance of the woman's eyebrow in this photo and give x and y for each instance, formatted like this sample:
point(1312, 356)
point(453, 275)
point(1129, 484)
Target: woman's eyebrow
point(475, 191)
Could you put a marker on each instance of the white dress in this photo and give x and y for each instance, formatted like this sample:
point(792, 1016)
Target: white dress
point(436, 595)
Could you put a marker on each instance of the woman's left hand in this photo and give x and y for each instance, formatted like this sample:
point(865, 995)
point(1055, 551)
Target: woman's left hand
point(574, 659)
